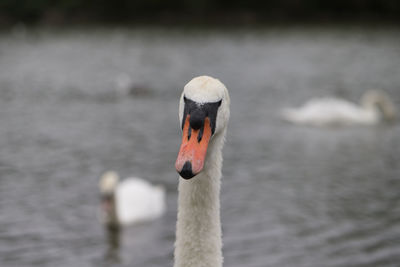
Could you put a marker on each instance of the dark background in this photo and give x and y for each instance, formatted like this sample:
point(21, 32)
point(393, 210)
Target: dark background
point(196, 11)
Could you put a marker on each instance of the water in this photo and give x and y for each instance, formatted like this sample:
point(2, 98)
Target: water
point(291, 196)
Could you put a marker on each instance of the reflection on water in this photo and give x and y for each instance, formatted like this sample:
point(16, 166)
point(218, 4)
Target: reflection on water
point(113, 238)
point(291, 196)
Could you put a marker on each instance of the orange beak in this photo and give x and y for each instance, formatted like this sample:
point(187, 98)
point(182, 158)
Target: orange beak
point(192, 153)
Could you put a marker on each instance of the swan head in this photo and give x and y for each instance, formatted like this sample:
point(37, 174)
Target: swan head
point(379, 100)
point(108, 182)
point(203, 114)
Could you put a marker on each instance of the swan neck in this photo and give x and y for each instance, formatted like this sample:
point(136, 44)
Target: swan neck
point(109, 209)
point(379, 103)
point(198, 235)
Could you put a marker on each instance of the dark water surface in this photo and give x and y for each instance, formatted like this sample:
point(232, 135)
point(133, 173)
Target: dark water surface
point(291, 196)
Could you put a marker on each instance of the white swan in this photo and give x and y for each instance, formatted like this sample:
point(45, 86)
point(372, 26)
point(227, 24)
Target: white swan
point(375, 107)
point(203, 115)
point(129, 201)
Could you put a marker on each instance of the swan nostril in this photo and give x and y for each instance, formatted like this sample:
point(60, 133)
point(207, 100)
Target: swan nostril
point(186, 172)
point(189, 133)
point(200, 136)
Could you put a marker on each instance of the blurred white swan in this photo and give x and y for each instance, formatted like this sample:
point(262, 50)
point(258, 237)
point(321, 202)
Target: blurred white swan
point(375, 107)
point(129, 201)
point(125, 86)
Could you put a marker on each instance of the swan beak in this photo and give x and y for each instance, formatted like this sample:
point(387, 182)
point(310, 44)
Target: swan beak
point(193, 150)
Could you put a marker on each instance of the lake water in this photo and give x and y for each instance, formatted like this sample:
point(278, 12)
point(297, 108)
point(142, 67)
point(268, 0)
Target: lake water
point(291, 196)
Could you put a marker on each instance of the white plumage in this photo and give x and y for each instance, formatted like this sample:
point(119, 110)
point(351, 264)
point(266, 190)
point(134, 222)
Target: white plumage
point(375, 107)
point(198, 230)
point(137, 200)
point(131, 200)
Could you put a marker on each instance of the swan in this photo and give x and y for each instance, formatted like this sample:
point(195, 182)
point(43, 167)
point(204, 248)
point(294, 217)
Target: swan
point(130, 201)
point(375, 107)
point(125, 86)
point(203, 116)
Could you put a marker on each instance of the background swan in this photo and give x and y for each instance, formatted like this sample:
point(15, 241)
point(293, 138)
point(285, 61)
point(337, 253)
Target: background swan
point(125, 86)
point(129, 201)
point(375, 107)
point(203, 115)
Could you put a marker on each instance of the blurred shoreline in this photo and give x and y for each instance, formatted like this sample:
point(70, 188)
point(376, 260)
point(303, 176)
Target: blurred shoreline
point(202, 18)
point(21, 28)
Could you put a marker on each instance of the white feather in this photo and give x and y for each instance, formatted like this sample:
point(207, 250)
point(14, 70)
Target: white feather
point(137, 200)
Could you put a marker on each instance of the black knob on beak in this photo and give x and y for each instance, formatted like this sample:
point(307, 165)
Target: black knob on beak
point(197, 118)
